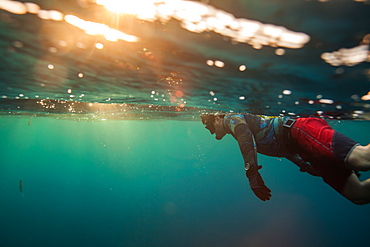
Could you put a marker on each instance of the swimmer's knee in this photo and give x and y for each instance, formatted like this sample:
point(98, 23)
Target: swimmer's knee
point(356, 191)
point(359, 158)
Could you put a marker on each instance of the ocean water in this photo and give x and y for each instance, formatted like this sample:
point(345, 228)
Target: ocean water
point(101, 143)
point(160, 183)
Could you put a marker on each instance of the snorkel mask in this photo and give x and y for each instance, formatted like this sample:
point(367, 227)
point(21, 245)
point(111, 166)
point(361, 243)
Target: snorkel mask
point(208, 121)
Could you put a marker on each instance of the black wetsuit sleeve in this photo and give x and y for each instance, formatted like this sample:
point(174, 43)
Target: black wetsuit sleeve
point(247, 144)
point(248, 148)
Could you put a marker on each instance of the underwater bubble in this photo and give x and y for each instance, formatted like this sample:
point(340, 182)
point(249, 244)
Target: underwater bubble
point(242, 67)
point(287, 92)
point(326, 101)
point(99, 46)
point(210, 62)
point(280, 52)
point(219, 64)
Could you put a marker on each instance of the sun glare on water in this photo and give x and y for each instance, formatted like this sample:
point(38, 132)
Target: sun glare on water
point(94, 28)
point(138, 7)
point(199, 17)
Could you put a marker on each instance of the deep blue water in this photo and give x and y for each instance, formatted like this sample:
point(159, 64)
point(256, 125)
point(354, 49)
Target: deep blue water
point(160, 183)
point(109, 146)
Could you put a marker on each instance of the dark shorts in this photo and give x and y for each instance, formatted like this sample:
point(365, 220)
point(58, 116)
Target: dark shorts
point(326, 149)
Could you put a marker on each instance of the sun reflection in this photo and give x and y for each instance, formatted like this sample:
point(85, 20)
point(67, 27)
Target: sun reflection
point(209, 62)
point(199, 17)
point(287, 92)
point(194, 16)
point(366, 96)
point(13, 7)
point(32, 8)
point(216, 63)
point(50, 15)
point(89, 27)
point(99, 46)
point(219, 64)
point(93, 28)
point(280, 52)
point(142, 8)
point(326, 101)
point(348, 57)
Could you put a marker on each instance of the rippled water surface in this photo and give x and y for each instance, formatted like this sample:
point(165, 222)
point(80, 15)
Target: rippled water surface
point(266, 57)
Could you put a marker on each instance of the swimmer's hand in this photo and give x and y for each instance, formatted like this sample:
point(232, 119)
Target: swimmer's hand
point(257, 185)
point(310, 170)
point(303, 165)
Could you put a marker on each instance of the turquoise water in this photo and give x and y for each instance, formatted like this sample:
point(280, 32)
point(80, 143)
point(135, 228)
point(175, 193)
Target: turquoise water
point(160, 183)
point(100, 139)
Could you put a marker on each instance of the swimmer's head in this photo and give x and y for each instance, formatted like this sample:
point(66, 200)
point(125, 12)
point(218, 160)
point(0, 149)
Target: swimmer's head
point(214, 123)
point(208, 120)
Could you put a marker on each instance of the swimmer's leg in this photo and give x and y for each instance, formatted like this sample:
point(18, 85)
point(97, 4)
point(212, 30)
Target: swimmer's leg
point(357, 191)
point(359, 158)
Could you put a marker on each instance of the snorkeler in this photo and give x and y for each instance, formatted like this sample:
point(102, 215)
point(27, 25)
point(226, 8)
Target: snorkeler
point(310, 143)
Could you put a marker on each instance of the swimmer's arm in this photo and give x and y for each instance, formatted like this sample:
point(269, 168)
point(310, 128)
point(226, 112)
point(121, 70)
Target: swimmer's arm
point(248, 148)
point(247, 145)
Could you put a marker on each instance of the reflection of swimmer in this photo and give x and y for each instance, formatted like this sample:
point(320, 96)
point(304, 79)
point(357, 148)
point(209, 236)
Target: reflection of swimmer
point(21, 187)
